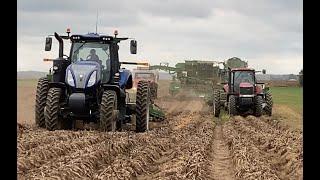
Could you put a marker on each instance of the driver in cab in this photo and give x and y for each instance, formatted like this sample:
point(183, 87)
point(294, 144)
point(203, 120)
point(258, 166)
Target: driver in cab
point(94, 57)
point(245, 77)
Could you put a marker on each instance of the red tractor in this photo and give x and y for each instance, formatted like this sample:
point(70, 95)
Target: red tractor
point(242, 94)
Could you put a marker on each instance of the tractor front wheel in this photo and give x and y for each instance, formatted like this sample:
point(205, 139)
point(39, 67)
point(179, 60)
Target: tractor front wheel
point(108, 111)
point(258, 106)
point(232, 105)
point(142, 106)
point(52, 110)
point(41, 98)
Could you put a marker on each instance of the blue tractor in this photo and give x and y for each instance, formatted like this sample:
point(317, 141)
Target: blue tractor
point(89, 85)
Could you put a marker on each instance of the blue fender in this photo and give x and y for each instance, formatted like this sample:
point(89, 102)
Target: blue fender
point(125, 79)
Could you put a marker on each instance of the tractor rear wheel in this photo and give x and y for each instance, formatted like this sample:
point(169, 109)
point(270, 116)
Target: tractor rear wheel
point(258, 106)
point(232, 105)
point(40, 104)
point(108, 111)
point(216, 103)
point(142, 106)
point(52, 110)
point(269, 102)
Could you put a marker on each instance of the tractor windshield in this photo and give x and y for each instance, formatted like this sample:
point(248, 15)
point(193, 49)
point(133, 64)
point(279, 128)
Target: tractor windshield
point(91, 51)
point(243, 76)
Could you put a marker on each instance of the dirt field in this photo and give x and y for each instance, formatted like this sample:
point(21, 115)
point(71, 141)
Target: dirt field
point(189, 144)
point(26, 93)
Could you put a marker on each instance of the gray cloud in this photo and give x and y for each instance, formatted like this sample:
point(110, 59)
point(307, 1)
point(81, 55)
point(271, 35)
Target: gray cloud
point(175, 29)
point(180, 8)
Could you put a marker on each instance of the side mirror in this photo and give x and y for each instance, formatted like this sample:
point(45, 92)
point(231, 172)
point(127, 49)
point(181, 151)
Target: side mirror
point(48, 44)
point(263, 71)
point(133, 47)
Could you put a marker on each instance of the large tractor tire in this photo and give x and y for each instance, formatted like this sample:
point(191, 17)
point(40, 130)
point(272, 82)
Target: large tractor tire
point(216, 103)
point(269, 102)
point(142, 106)
point(41, 98)
point(232, 108)
point(53, 120)
point(258, 106)
point(108, 111)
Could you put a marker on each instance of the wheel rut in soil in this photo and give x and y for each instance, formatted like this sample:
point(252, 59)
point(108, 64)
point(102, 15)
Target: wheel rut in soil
point(221, 160)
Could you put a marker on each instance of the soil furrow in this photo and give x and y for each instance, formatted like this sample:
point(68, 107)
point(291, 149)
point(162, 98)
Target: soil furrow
point(222, 167)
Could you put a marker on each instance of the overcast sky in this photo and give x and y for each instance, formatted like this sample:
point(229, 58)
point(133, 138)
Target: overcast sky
point(266, 33)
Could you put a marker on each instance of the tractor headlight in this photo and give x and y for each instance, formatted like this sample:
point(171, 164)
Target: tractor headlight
point(92, 79)
point(70, 79)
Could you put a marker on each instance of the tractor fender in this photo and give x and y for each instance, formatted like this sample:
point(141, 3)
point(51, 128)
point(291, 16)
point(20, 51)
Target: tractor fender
point(125, 80)
point(119, 92)
point(57, 85)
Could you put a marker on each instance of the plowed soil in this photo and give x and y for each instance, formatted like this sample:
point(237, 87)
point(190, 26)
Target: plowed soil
point(188, 144)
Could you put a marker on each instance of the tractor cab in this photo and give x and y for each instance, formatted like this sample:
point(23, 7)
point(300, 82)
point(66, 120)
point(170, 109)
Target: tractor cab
point(242, 81)
point(93, 60)
point(89, 57)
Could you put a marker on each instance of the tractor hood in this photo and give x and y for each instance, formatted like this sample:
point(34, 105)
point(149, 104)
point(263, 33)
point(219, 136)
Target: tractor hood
point(83, 74)
point(245, 85)
point(245, 89)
